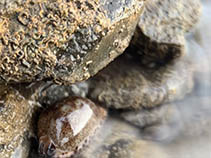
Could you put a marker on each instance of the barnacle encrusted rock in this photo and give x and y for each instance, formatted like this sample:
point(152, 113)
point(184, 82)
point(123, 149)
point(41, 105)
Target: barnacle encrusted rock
point(66, 41)
point(15, 122)
point(159, 36)
point(125, 83)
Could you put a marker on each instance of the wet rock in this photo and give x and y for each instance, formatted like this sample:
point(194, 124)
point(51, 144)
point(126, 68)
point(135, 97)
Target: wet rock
point(15, 123)
point(159, 36)
point(64, 129)
point(125, 83)
point(49, 92)
point(65, 41)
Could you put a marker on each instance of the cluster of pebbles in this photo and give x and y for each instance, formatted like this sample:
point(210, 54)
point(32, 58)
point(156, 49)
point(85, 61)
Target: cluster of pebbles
point(54, 55)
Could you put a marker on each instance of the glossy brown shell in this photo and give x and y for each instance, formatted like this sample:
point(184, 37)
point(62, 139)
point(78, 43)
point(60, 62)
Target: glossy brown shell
point(66, 127)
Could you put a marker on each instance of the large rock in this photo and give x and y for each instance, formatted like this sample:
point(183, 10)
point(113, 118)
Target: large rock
point(15, 123)
point(66, 41)
point(159, 36)
point(125, 83)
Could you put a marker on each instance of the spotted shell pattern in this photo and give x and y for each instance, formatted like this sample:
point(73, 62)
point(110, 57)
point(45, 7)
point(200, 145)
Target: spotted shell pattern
point(65, 128)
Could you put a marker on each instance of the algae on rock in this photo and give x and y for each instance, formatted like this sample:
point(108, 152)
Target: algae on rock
point(64, 41)
point(15, 122)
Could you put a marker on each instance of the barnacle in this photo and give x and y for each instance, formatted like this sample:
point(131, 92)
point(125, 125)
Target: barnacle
point(58, 37)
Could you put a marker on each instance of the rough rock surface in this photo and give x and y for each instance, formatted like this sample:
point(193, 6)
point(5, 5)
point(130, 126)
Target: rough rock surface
point(15, 123)
point(49, 92)
point(125, 83)
point(160, 33)
point(66, 41)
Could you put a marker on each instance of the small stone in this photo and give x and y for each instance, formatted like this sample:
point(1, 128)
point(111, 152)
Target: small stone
point(50, 93)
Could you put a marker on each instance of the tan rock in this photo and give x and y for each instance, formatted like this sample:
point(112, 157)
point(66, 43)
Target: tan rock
point(15, 123)
point(125, 83)
point(160, 33)
point(65, 41)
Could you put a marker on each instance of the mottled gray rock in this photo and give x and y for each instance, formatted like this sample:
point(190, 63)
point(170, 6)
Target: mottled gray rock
point(49, 92)
point(65, 41)
point(159, 36)
point(125, 83)
point(15, 123)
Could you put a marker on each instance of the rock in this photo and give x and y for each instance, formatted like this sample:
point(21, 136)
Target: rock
point(65, 128)
point(159, 36)
point(125, 83)
point(49, 92)
point(64, 41)
point(15, 123)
